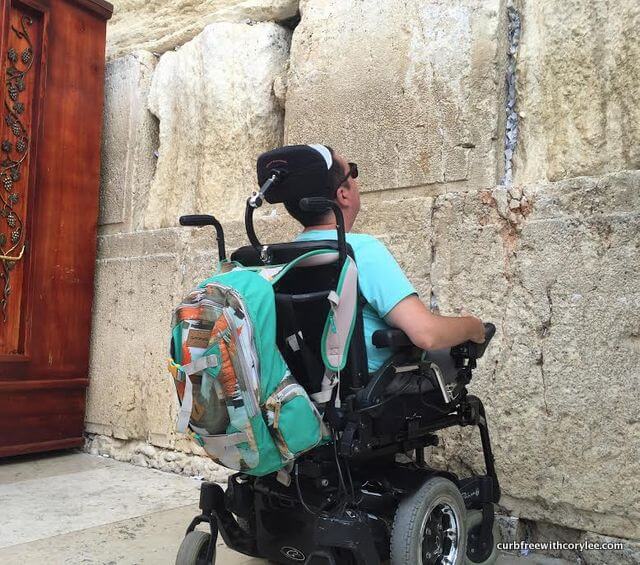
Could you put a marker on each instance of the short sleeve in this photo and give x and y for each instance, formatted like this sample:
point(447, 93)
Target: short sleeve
point(382, 281)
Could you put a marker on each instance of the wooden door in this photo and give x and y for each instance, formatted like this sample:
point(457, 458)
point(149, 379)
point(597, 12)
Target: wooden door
point(53, 65)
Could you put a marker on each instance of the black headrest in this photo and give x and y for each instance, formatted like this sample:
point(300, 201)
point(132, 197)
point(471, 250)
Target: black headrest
point(304, 168)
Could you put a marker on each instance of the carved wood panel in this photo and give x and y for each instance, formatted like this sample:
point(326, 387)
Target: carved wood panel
point(21, 71)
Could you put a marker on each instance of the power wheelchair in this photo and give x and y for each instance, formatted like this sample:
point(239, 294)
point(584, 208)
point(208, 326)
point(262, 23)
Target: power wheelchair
point(359, 499)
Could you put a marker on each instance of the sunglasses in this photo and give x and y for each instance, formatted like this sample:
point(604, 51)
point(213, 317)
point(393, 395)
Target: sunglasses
point(353, 173)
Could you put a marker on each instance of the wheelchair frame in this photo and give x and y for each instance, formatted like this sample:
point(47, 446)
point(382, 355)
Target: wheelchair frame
point(352, 532)
point(356, 528)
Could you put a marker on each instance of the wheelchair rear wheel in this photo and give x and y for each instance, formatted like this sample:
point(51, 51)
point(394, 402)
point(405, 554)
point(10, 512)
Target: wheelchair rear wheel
point(193, 549)
point(430, 526)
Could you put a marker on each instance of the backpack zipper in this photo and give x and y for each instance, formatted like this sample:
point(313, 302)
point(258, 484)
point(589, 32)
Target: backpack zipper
point(252, 388)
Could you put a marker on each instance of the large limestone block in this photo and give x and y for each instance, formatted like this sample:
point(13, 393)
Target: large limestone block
point(162, 25)
point(138, 279)
point(578, 81)
point(560, 276)
point(215, 101)
point(129, 140)
point(410, 90)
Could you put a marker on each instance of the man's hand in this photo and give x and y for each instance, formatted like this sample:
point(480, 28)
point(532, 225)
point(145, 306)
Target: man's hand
point(477, 329)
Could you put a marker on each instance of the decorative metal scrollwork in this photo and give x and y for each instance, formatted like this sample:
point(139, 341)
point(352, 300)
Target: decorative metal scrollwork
point(14, 151)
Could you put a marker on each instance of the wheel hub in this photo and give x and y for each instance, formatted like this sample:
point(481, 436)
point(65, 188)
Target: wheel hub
point(440, 539)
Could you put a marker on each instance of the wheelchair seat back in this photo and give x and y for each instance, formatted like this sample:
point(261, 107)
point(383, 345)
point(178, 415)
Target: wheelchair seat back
point(302, 305)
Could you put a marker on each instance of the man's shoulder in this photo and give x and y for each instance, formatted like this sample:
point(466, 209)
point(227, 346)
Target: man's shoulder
point(367, 248)
point(364, 239)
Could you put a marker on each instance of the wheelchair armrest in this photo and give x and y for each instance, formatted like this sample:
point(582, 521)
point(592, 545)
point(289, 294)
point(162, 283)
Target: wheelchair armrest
point(390, 338)
point(394, 337)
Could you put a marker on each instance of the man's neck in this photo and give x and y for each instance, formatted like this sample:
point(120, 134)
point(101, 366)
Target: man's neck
point(320, 227)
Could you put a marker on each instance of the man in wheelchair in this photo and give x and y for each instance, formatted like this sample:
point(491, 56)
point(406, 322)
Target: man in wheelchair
point(390, 299)
point(358, 498)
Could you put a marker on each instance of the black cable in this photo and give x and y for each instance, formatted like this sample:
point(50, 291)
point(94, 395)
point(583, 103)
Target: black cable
point(304, 504)
point(353, 490)
point(343, 486)
point(342, 505)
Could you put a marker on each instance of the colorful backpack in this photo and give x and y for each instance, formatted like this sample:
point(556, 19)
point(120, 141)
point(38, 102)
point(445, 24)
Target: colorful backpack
point(238, 398)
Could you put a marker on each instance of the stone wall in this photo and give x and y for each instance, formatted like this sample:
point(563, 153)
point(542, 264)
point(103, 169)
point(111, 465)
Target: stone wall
point(498, 143)
point(414, 108)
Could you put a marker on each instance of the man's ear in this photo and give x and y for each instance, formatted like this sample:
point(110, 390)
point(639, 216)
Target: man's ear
point(342, 196)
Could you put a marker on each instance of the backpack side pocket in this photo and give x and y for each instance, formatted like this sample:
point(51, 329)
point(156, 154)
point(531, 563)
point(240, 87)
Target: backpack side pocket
point(293, 420)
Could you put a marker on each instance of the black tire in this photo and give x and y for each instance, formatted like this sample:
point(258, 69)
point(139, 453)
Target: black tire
point(193, 549)
point(419, 535)
point(474, 518)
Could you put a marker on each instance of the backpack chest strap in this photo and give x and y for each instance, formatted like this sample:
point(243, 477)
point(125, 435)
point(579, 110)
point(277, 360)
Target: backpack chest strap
point(200, 364)
point(197, 366)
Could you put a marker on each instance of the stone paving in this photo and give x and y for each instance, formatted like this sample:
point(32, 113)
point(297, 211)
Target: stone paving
point(74, 508)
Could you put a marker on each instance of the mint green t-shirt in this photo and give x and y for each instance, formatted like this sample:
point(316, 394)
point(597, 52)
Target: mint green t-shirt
point(382, 283)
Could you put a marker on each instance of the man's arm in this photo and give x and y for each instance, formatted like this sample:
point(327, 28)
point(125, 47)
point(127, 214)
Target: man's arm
point(431, 331)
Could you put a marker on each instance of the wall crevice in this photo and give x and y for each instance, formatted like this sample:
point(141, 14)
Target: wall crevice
point(511, 123)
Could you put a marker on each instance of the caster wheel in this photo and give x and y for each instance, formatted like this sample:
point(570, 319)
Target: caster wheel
point(429, 527)
point(193, 549)
point(488, 557)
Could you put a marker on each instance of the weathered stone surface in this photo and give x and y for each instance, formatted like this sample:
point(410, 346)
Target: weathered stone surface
point(144, 455)
point(130, 395)
point(215, 101)
point(577, 546)
point(129, 139)
point(410, 90)
point(164, 24)
point(561, 279)
point(414, 92)
point(578, 81)
point(628, 555)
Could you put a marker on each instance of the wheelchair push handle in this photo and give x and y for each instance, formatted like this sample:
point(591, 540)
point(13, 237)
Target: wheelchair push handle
point(200, 220)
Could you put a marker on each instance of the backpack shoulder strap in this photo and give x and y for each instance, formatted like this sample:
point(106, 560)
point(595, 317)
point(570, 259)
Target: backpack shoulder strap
point(341, 320)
